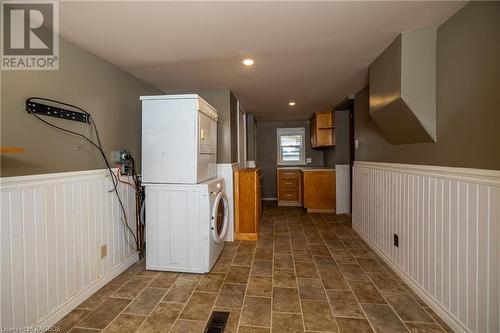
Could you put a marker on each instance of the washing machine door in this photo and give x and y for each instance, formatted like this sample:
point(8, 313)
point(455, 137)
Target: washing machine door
point(220, 216)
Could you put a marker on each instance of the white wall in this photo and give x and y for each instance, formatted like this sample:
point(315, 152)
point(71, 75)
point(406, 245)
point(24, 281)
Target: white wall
point(448, 222)
point(51, 232)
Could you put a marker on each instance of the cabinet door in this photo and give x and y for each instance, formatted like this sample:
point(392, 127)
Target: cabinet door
point(313, 131)
point(319, 190)
point(324, 120)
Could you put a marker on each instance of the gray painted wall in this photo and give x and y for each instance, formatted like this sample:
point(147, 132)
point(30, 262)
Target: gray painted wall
point(329, 157)
point(468, 101)
point(233, 107)
point(267, 155)
point(251, 137)
point(108, 93)
point(340, 154)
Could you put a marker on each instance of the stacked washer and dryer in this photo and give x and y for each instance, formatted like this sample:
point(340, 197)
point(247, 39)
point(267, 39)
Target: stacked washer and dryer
point(186, 206)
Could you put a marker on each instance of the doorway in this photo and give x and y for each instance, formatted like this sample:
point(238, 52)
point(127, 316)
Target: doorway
point(242, 136)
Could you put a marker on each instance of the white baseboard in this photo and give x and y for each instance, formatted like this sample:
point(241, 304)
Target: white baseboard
point(451, 321)
point(77, 299)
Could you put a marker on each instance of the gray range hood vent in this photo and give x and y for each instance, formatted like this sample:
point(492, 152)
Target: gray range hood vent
point(403, 88)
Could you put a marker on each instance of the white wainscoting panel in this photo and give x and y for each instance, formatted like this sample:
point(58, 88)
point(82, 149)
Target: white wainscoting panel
point(343, 188)
point(51, 232)
point(448, 222)
point(226, 171)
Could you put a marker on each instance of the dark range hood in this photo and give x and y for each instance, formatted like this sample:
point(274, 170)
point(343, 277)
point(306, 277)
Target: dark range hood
point(403, 88)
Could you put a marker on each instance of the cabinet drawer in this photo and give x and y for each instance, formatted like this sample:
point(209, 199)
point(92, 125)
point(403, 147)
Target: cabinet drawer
point(289, 174)
point(289, 183)
point(289, 195)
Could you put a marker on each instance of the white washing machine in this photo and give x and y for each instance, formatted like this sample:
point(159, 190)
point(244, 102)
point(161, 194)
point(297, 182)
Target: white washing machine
point(186, 225)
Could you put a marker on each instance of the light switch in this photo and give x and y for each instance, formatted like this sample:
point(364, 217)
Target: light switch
point(309, 160)
point(356, 143)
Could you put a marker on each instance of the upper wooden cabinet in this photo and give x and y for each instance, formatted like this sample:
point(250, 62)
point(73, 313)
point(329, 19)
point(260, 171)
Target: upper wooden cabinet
point(323, 129)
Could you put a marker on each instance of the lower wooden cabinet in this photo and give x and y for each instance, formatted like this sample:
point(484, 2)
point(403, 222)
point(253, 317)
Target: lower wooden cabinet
point(289, 187)
point(319, 191)
point(247, 203)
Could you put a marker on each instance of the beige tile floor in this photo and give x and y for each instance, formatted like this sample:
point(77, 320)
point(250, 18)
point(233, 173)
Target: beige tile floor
point(306, 273)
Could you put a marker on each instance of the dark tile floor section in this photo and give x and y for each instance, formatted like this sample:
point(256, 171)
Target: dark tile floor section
point(306, 273)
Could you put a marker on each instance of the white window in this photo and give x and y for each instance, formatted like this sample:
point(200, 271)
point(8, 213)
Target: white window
point(290, 145)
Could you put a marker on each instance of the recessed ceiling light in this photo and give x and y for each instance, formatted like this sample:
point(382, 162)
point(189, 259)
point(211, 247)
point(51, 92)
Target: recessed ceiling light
point(291, 103)
point(248, 62)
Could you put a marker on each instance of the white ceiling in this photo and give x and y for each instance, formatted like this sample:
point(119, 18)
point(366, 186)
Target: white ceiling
point(315, 53)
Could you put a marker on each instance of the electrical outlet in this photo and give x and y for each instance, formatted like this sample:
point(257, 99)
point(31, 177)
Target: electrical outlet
point(122, 158)
point(396, 240)
point(104, 251)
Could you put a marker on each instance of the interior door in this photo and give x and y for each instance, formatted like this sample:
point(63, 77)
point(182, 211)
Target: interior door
point(207, 136)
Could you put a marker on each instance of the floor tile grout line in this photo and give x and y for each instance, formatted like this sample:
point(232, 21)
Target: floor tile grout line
point(380, 292)
point(441, 326)
point(185, 304)
point(298, 291)
point(351, 290)
point(120, 285)
point(272, 272)
point(222, 284)
point(111, 296)
point(387, 303)
point(356, 297)
point(371, 281)
point(321, 280)
point(146, 317)
point(246, 287)
point(156, 306)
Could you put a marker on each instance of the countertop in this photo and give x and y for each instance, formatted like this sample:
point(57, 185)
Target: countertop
point(305, 168)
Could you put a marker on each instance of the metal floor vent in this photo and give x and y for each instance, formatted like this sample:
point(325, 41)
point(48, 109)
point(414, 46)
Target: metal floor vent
point(217, 322)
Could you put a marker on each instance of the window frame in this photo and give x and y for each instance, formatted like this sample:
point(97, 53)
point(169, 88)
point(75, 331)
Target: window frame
point(302, 151)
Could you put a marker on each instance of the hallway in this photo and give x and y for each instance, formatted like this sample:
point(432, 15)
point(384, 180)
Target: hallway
point(307, 272)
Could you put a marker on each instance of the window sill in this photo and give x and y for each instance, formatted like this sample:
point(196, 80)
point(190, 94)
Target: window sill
point(290, 164)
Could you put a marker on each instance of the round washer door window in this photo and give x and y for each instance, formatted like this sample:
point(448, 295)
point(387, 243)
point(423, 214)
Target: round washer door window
point(220, 218)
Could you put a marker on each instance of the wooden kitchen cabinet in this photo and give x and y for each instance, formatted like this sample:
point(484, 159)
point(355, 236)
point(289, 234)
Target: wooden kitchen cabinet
point(319, 191)
point(289, 187)
point(322, 129)
point(247, 203)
